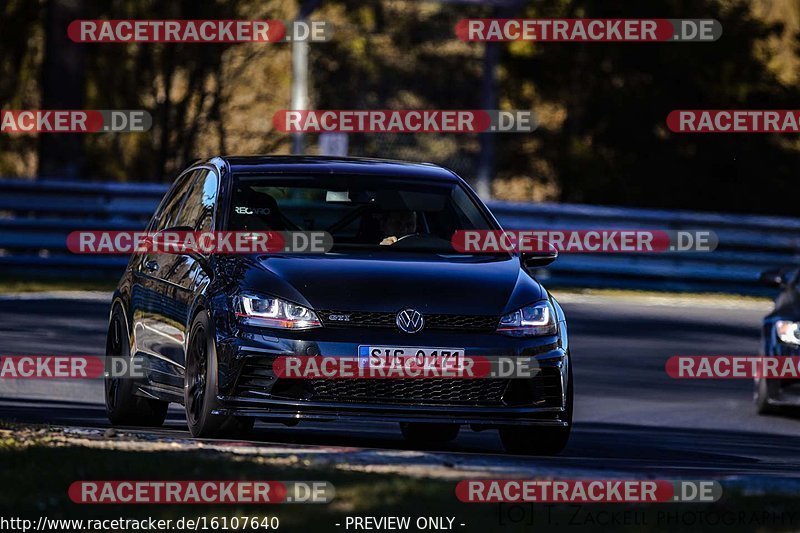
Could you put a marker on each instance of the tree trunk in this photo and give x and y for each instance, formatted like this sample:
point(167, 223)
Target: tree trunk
point(61, 155)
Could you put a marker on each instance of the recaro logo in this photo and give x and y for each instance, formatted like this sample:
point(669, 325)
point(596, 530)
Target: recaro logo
point(410, 320)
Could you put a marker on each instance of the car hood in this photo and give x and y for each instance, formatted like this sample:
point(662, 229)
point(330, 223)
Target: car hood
point(430, 283)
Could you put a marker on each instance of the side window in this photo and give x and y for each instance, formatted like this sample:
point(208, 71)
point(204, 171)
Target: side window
point(168, 212)
point(198, 208)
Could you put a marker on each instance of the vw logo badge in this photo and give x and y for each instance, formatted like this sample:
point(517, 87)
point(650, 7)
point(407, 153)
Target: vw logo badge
point(410, 321)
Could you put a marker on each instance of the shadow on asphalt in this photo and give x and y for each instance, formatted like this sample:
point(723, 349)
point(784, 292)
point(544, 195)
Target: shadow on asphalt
point(597, 446)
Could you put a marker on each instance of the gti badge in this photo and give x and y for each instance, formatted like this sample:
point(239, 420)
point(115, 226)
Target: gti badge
point(410, 321)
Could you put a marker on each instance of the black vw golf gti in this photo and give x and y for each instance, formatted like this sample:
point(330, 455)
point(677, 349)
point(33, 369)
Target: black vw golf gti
point(780, 337)
point(206, 328)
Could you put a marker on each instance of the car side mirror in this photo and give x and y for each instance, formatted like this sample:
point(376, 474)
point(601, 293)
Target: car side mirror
point(540, 258)
point(776, 277)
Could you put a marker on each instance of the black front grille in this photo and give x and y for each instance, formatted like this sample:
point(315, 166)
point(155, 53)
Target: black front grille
point(358, 319)
point(547, 386)
point(388, 320)
point(410, 391)
point(256, 380)
point(543, 390)
point(255, 377)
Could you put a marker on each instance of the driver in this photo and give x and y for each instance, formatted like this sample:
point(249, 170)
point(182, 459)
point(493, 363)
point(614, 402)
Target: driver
point(398, 224)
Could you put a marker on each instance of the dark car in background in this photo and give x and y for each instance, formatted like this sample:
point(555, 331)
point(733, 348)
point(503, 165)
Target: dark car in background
point(780, 336)
point(207, 328)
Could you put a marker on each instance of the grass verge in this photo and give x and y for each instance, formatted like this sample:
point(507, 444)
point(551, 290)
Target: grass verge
point(37, 465)
point(13, 285)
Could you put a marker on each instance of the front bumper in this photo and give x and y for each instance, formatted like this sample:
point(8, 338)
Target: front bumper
point(780, 392)
point(248, 387)
point(485, 418)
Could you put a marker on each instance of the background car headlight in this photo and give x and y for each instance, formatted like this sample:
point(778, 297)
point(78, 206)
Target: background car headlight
point(536, 319)
point(788, 332)
point(275, 313)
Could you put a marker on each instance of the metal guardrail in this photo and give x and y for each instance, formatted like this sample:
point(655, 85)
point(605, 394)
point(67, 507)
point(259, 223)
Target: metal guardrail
point(748, 245)
point(37, 216)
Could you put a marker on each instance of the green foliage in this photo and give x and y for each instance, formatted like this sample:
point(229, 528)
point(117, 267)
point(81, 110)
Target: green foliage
point(602, 139)
point(614, 147)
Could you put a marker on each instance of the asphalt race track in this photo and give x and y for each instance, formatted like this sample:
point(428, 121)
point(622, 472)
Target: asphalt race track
point(630, 417)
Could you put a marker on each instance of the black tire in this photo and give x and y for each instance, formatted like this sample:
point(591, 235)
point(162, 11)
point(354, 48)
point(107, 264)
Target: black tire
point(200, 386)
point(426, 433)
point(541, 440)
point(761, 397)
point(123, 406)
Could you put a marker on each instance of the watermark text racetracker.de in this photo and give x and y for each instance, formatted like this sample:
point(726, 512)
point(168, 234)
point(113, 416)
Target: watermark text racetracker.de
point(405, 121)
point(584, 241)
point(68, 367)
point(733, 367)
point(198, 31)
point(172, 492)
point(587, 491)
point(589, 30)
point(200, 242)
point(75, 121)
point(734, 121)
point(386, 363)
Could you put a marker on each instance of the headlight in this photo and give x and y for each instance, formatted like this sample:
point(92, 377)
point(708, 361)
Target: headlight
point(536, 319)
point(788, 332)
point(275, 313)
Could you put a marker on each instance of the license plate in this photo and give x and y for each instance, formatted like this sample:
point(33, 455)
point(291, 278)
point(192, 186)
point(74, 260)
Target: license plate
point(431, 356)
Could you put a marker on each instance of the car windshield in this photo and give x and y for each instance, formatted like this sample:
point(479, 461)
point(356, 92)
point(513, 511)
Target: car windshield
point(362, 212)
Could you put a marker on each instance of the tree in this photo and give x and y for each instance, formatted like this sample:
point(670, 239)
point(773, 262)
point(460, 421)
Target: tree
point(61, 155)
